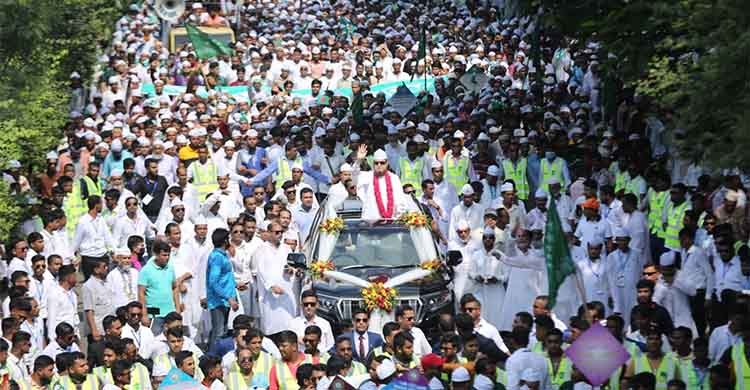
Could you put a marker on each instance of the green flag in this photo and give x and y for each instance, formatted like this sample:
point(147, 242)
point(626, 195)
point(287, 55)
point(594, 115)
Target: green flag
point(422, 52)
point(556, 253)
point(204, 45)
point(357, 109)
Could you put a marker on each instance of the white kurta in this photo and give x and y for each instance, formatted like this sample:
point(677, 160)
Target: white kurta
point(473, 214)
point(366, 192)
point(445, 196)
point(461, 282)
point(277, 310)
point(637, 225)
point(675, 297)
point(490, 293)
point(594, 280)
point(527, 279)
point(623, 272)
point(185, 261)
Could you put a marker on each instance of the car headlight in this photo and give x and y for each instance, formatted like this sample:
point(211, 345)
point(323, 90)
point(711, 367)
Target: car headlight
point(437, 299)
point(327, 303)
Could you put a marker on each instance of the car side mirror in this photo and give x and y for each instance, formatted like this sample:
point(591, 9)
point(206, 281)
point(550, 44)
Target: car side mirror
point(454, 258)
point(297, 260)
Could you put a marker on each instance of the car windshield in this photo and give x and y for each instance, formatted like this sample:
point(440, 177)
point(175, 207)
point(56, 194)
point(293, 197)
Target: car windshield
point(366, 245)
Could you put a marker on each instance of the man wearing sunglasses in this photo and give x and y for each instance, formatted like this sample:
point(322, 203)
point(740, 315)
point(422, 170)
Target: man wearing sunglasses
point(380, 190)
point(276, 280)
point(309, 302)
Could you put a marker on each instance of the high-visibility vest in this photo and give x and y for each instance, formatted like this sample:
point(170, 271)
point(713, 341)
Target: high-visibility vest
point(411, 175)
point(555, 169)
point(501, 376)
point(322, 359)
point(236, 381)
point(379, 351)
point(665, 373)
point(263, 363)
point(656, 203)
point(614, 379)
point(446, 376)
point(204, 178)
point(92, 187)
point(357, 368)
point(138, 377)
point(104, 374)
point(675, 216)
point(632, 187)
point(284, 171)
point(92, 382)
point(456, 173)
point(741, 367)
point(517, 173)
point(622, 178)
point(687, 373)
point(284, 377)
point(563, 372)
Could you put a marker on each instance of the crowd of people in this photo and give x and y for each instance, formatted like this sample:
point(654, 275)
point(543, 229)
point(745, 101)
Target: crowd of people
point(154, 248)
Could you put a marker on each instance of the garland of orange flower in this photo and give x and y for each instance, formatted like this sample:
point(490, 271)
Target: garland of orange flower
point(332, 225)
point(431, 265)
point(378, 296)
point(414, 219)
point(318, 267)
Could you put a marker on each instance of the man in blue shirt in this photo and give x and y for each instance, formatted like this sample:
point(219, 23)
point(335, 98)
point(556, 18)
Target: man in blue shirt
point(157, 287)
point(221, 291)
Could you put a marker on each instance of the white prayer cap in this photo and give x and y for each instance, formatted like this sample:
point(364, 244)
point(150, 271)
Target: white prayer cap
point(553, 180)
point(354, 137)
point(596, 241)
point(523, 140)
point(52, 155)
point(222, 171)
point(169, 145)
point(88, 122)
point(419, 139)
point(463, 225)
point(297, 166)
point(217, 135)
point(116, 173)
point(319, 132)
point(262, 225)
point(495, 130)
point(488, 231)
point(481, 382)
point(467, 189)
point(493, 170)
point(252, 133)
point(507, 187)
point(345, 167)
point(116, 145)
point(458, 134)
point(620, 232)
point(483, 137)
point(531, 375)
point(519, 133)
point(392, 130)
point(181, 139)
point(540, 194)
point(380, 155)
point(436, 164)
point(667, 259)
point(289, 235)
point(732, 196)
point(175, 203)
point(200, 220)
point(229, 144)
point(386, 369)
point(461, 374)
point(122, 251)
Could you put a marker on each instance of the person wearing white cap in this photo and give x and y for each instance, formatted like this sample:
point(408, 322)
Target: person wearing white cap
point(538, 215)
point(249, 159)
point(457, 164)
point(460, 379)
point(592, 270)
point(508, 201)
point(440, 196)
point(514, 167)
point(491, 185)
point(122, 281)
point(175, 211)
point(278, 301)
point(461, 241)
point(467, 210)
point(623, 270)
point(380, 190)
point(337, 192)
point(674, 289)
point(115, 158)
point(525, 369)
point(490, 276)
point(132, 223)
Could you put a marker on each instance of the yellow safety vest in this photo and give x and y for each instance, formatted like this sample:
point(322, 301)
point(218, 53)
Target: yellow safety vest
point(283, 171)
point(236, 381)
point(104, 374)
point(263, 364)
point(323, 358)
point(563, 372)
point(379, 351)
point(614, 379)
point(91, 383)
point(357, 368)
point(166, 361)
point(656, 202)
point(446, 376)
point(555, 169)
point(204, 178)
point(666, 372)
point(411, 175)
point(687, 371)
point(741, 367)
point(501, 376)
point(517, 173)
point(632, 188)
point(138, 375)
point(457, 173)
point(284, 377)
point(621, 180)
point(675, 216)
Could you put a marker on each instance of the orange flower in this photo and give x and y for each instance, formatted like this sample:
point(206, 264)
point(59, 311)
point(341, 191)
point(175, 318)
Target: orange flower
point(317, 268)
point(332, 225)
point(377, 296)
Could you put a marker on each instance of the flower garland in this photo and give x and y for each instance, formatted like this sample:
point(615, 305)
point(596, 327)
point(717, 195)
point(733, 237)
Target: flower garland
point(332, 225)
point(317, 268)
point(378, 296)
point(431, 265)
point(413, 219)
point(385, 212)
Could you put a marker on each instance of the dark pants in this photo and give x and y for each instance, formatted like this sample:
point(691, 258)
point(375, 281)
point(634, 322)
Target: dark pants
point(88, 263)
point(219, 316)
point(698, 309)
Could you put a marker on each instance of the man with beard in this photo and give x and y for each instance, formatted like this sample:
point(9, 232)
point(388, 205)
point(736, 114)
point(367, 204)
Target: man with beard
point(283, 374)
point(311, 340)
point(275, 282)
point(344, 351)
point(44, 371)
point(78, 375)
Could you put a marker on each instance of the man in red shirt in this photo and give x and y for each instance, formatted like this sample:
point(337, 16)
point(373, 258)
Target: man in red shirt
point(283, 375)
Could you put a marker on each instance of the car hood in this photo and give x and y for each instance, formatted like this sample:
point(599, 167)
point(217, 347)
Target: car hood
point(341, 289)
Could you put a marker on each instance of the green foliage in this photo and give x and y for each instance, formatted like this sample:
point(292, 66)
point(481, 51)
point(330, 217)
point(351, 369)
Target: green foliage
point(41, 43)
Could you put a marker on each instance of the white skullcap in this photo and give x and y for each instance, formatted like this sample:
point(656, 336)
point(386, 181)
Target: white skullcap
point(507, 187)
point(116, 172)
point(176, 202)
point(461, 374)
point(483, 137)
point(181, 139)
point(458, 134)
point(229, 144)
point(732, 196)
point(88, 122)
point(519, 133)
point(168, 145)
point(345, 167)
point(667, 259)
point(467, 189)
point(116, 146)
point(463, 225)
point(481, 382)
point(596, 241)
point(419, 139)
point(620, 232)
point(553, 180)
point(200, 220)
point(436, 164)
point(122, 251)
point(380, 155)
point(222, 171)
point(252, 133)
point(386, 369)
point(493, 170)
point(297, 166)
point(531, 375)
point(488, 231)
point(217, 135)
point(540, 194)
point(52, 155)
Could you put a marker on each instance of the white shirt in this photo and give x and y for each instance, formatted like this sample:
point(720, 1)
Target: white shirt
point(587, 230)
point(123, 286)
point(92, 236)
point(124, 227)
point(490, 331)
point(522, 359)
point(719, 341)
point(16, 264)
point(728, 275)
point(53, 349)
point(421, 345)
point(473, 214)
point(299, 324)
point(143, 339)
point(695, 263)
point(62, 306)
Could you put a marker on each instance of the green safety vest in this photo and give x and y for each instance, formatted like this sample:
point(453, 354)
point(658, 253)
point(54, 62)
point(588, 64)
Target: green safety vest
point(614, 379)
point(656, 203)
point(632, 188)
point(517, 173)
point(92, 382)
point(323, 358)
point(501, 376)
point(204, 179)
point(446, 376)
point(563, 372)
point(138, 376)
point(283, 171)
point(741, 367)
point(621, 180)
point(687, 371)
point(456, 173)
point(357, 368)
point(236, 381)
point(104, 374)
point(91, 187)
point(263, 363)
point(548, 171)
point(665, 373)
point(411, 175)
point(379, 351)
point(675, 216)
point(284, 377)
